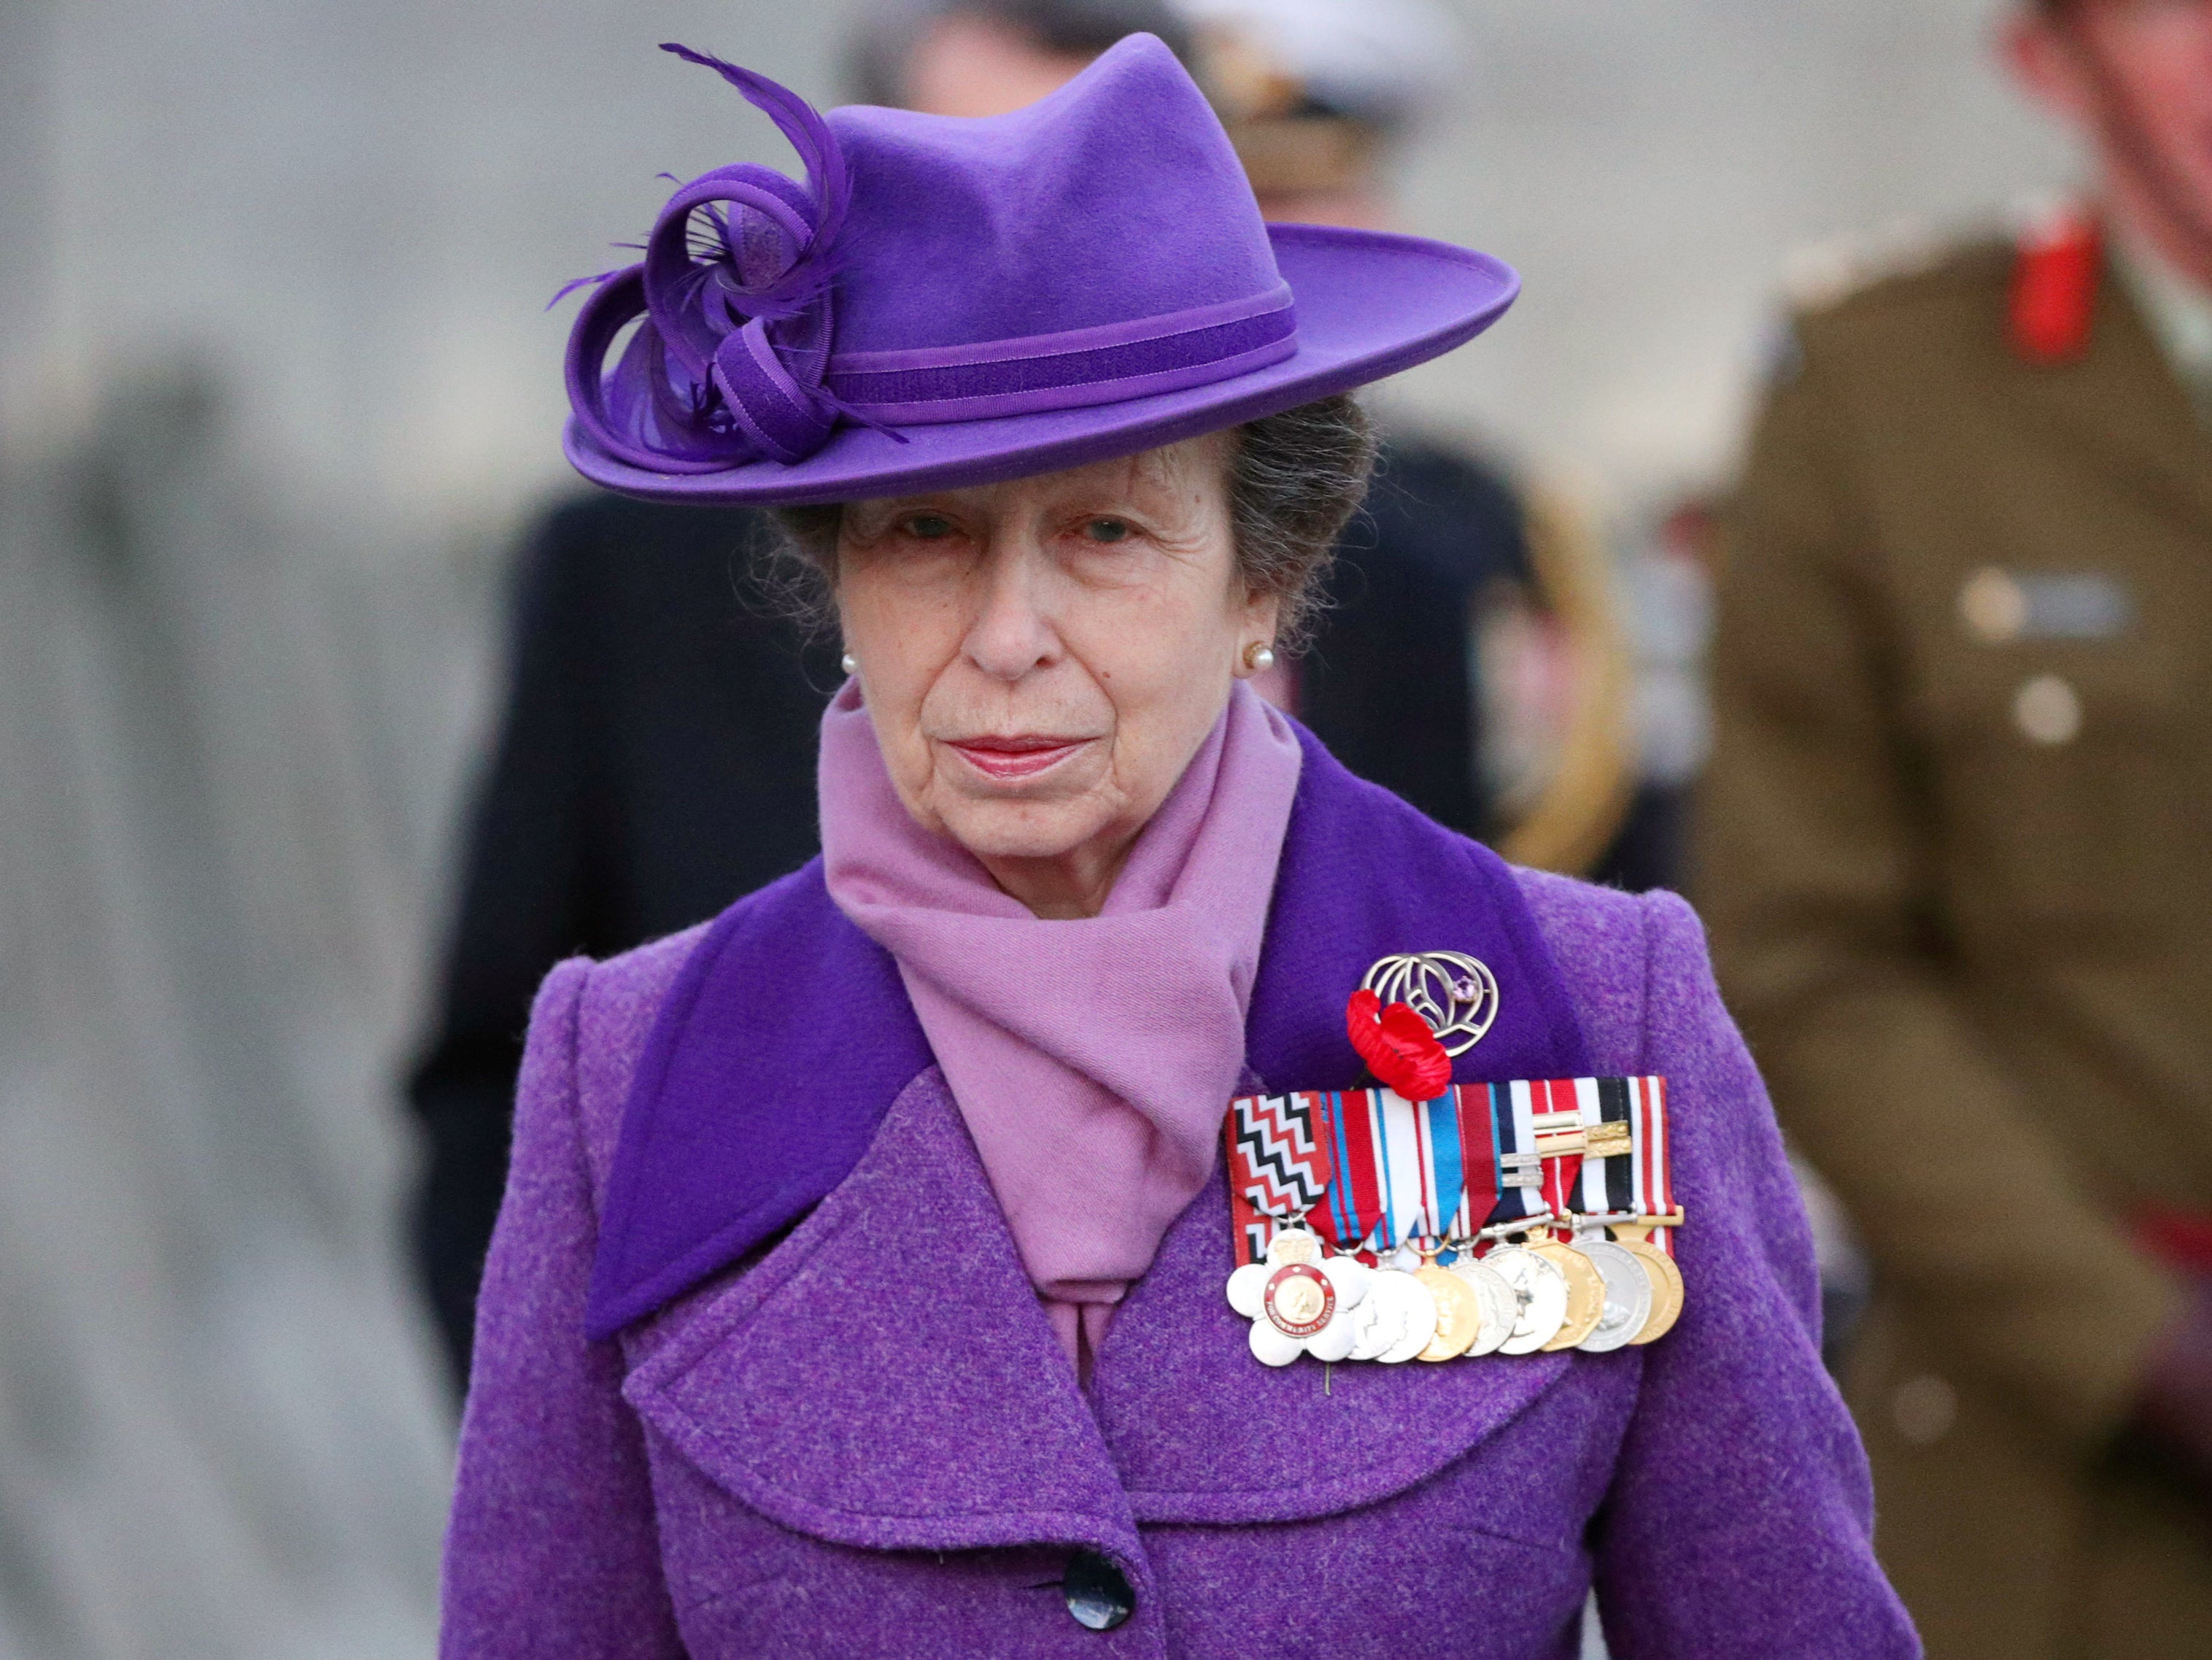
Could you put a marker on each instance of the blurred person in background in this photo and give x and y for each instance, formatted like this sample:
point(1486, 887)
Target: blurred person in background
point(655, 758)
point(1955, 858)
point(1451, 578)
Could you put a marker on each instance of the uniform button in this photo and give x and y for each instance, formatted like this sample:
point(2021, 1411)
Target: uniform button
point(2047, 710)
point(1993, 606)
point(1098, 1595)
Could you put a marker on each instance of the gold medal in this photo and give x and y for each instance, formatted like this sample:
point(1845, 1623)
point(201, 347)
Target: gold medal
point(1459, 1313)
point(1585, 1292)
point(1666, 1282)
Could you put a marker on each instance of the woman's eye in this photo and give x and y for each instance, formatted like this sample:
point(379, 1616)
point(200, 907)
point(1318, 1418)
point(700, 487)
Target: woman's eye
point(1107, 530)
point(928, 526)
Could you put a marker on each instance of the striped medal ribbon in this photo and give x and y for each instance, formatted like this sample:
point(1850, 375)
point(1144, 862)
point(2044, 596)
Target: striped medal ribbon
point(1520, 1167)
point(1608, 1186)
point(1478, 1160)
point(1652, 1170)
point(1555, 1123)
point(1398, 1170)
point(1278, 1151)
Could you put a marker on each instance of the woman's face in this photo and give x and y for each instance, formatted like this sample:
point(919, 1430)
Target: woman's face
point(1040, 658)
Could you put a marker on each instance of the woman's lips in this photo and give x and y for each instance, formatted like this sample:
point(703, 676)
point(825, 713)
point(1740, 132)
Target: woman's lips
point(1009, 760)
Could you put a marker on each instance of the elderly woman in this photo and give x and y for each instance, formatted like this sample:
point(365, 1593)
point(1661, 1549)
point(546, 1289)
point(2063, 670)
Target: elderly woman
point(859, 1288)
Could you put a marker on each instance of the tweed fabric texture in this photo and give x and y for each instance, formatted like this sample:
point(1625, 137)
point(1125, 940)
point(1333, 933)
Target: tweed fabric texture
point(863, 1440)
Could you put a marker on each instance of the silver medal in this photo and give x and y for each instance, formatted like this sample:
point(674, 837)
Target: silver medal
point(1420, 1319)
point(1501, 1308)
point(1379, 1322)
point(1541, 1291)
point(1627, 1295)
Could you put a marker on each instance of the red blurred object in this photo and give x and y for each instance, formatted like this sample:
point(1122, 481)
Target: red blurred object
point(2054, 288)
point(1398, 1047)
point(2179, 1238)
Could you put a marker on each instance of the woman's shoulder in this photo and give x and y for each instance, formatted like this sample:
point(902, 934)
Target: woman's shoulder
point(1612, 948)
point(600, 1013)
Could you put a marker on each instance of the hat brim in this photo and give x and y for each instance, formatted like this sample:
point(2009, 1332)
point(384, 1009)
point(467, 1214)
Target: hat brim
point(1369, 304)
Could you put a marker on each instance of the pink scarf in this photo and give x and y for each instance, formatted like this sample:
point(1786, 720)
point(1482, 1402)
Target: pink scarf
point(1091, 1059)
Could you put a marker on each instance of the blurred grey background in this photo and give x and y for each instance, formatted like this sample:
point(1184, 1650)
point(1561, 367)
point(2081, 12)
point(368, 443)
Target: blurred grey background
point(276, 387)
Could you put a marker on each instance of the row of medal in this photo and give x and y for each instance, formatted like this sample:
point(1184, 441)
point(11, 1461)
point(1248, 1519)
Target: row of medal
point(1503, 1218)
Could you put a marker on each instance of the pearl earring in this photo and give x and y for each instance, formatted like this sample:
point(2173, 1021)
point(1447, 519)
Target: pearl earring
point(852, 664)
point(1259, 657)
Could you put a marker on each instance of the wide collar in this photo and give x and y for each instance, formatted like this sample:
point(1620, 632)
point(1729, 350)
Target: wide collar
point(787, 1033)
point(885, 1377)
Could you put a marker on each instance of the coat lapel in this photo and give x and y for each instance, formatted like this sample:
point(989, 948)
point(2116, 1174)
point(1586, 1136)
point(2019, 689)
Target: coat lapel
point(768, 1069)
point(1362, 875)
point(885, 1376)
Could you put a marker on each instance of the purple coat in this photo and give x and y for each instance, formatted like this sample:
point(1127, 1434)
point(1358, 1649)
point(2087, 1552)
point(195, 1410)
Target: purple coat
point(861, 1439)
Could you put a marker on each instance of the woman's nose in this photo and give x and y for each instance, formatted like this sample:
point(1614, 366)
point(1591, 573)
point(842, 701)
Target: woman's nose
point(1011, 634)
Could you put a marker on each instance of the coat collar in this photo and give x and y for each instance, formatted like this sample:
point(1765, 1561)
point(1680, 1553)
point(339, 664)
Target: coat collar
point(782, 1041)
point(787, 1033)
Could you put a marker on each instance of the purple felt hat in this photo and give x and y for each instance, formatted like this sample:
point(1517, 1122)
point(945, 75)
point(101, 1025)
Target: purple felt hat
point(950, 302)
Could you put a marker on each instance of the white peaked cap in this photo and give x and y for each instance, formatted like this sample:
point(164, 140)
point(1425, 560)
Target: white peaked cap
point(1387, 63)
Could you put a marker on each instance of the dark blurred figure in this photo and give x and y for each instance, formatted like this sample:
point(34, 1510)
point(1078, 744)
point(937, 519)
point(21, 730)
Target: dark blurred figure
point(1955, 850)
point(656, 758)
point(655, 761)
point(1451, 594)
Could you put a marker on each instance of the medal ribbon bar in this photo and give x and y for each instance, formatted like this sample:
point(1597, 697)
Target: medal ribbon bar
point(1372, 1170)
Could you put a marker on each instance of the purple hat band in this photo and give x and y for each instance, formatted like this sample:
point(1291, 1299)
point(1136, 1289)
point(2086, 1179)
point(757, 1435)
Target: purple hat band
point(1068, 370)
point(733, 364)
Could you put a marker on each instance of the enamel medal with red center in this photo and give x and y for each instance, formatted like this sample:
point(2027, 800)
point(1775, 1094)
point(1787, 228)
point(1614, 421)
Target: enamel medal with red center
point(1296, 1301)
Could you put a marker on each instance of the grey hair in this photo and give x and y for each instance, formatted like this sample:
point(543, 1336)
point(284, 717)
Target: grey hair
point(1295, 480)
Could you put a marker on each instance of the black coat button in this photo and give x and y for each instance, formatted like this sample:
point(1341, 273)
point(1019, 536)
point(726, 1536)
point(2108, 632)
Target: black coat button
point(1098, 1595)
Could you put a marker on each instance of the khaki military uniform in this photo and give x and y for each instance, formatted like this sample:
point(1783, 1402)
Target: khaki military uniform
point(1956, 846)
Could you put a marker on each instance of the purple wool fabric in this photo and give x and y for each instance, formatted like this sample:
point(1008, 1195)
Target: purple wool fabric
point(863, 1439)
point(947, 301)
point(1089, 1057)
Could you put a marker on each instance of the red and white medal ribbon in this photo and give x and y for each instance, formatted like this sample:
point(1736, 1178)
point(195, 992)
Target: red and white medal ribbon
point(1277, 1147)
point(1559, 1135)
point(1478, 1154)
